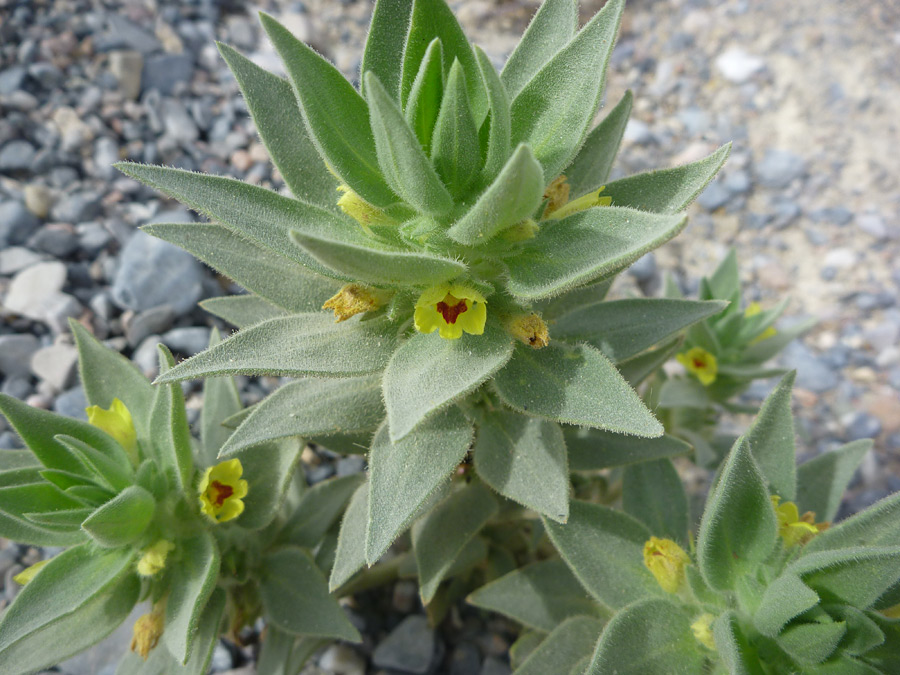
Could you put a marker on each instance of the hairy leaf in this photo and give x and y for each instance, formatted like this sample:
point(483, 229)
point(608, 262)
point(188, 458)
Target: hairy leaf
point(822, 480)
point(591, 166)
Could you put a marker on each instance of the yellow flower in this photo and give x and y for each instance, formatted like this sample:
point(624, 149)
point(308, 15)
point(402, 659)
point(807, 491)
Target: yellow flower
point(556, 194)
point(221, 491)
point(148, 629)
point(702, 630)
point(753, 309)
point(792, 528)
point(451, 309)
point(351, 300)
point(28, 573)
point(666, 560)
point(530, 329)
point(117, 423)
point(154, 558)
point(701, 364)
point(587, 201)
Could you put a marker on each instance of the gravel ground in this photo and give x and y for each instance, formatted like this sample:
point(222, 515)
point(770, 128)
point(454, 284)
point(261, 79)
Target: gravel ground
point(808, 91)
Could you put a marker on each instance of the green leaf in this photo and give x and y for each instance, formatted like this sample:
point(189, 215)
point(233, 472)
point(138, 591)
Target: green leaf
point(623, 328)
point(822, 480)
point(38, 429)
point(739, 657)
point(350, 556)
point(863, 633)
point(425, 97)
point(586, 246)
point(278, 121)
point(251, 212)
point(638, 368)
point(455, 149)
point(383, 54)
point(404, 474)
point(123, 519)
point(319, 508)
point(441, 535)
point(511, 198)
point(725, 282)
point(766, 349)
point(271, 276)
point(605, 550)
point(335, 114)
point(406, 167)
point(569, 643)
point(106, 375)
point(13, 460)
point(193, 580)
point(221, 400)
point(592, 449)
point(540, 596)
point(68, 518)
point(574, 385)
point(785, 598)
point(560, 305)
point(845, 665)
point(16, 527)
point(433, 19)
point(285, 654)
point(591, 166)
point(297, 345)
point(116, 473)
point(382, 265)
point(524, 646)
point(738, 528)
point(771, 440)
point(242, 310)
point(311, 407)
point(811, 643)
point(171, 444)
point(428, 373)
point(650, 637)
point(878, 525)
point(76, 600)
point(524, 459)
point(550, 29)
point(499, 131)
point(653, 493)
point(554, 109)
point(683, 392)
point(667, 190)
point(268, 470)
point(295, 597)
point(853, 576)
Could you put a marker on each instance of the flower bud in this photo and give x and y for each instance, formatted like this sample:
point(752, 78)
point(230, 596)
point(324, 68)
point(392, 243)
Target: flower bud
point(702, 630)
point(530, 329)
point(147, 630)
point(153, 559)
point(351, 300)
point(666, 560)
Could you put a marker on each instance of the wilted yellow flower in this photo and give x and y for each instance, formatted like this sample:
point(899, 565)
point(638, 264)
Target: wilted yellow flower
point(701, 364)
point(117, 423)
point(148, 629)
point(702, 630)
point(222, 490)
point(530, 329)
point(557, 194)
point(351, 300)
point(753, 309)
point(28, 573)
point(154, 558)
point(360, 210)
point(451, 309)
point(587, 201)
point(792, 528)
point(666, 560)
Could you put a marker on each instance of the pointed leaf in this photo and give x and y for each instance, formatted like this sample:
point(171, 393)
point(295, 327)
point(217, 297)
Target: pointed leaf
point(568, 644)
point(771, 440)
point(735, 650)
point(406, 168)
point(336, 115)
point(499, 131)
point(116, 473)
point(428, 373)
point(738, 529)
point(319, 509)
point(123, 519)
point(604, 548)
point(586, 246)
point(297, 345)
point(454, 147)
point(385, 43)
point(638, 368)
point(268, 470)
point(785, 598)
point(278, 121)
point(425, 97)
point(726, 280)
point(524, 459)
point(311, 407)
point(592, 449)
point(667, 190)
point(194, 577)
point(221, 400)
point(854, 576)
point(576, 386)
point(511, 198)
point(765, 349)
point(653, 493)
point(811, 643)
point(242, 310)
point(350, 556)
point(591, 166)
point(553, 111)
point(171, 443)
point(821, 481)
point(404, 474)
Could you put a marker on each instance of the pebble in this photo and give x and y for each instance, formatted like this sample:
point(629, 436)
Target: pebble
point(164, 72)
point(187, 341)
point(148, 322)
point(351, 464)
point(465, 660)
point(16, 157)
point(127, 65)
point(738, 66)
point(77, 208)
point(178, 123)
point(813, 373)
point(715, 196)
point(58, 240)
point(494, 666)
point(779, 168)
point(17, 223)
point(16, 351)
point(873, 225)
point(16, 258)
point(38, 199)
point(638, 132)
point(146, 356)
point(56, 365)
point(862, 425)
point(18, 386)
point(72, 403)
point(341, 659)
point(11, 79)
point(31, 289)
point(409, 648)
point(106, 153)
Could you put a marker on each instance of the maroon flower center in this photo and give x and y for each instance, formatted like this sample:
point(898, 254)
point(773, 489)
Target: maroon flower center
point(698, 363)
point(450, 308)
point(221, 492)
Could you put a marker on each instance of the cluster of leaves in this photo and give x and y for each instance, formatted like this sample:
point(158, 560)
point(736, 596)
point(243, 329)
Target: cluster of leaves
point(763, 590)
point(124, 497)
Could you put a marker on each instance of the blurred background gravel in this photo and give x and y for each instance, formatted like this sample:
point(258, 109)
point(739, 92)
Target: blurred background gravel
point(807, 90)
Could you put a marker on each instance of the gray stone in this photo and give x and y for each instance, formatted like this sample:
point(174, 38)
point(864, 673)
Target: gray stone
point(57, 240)
point(9, 441)
point(873, 225)
point(319, 473)
point(410, 647)
point(72, 403)
point(737, 182)
point(55, 365)
point(38, 199)
point(862, 426)
point(153, 320)
point(31, 289)
point(17, 223)
point(351, 464)
point(153, 272)
point(18, 387)
point(187, 341)
point(494, 666)
point(164, 72)
point(738, 66)
point(465, 659)
point(93, 238)
point(58, 309)
point(837, 215)
point(638, 132)
point(644, 269)
point(221, 659)
point(124, 34)
point(127, 66)
point(11, 79)
point(46, 74)
point(179, 124)
point(779, 167)
point(16, 351)
point(813, 373)
point(16, 156)
point(106, 153)
point(714, 197)
point(786, 212)
point(145, 356)
point(77, 208)
point(341, 659)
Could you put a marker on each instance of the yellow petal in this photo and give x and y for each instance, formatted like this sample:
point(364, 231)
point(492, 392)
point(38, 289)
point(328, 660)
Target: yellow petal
point(427, 319)
point(666, 560)
point(28, 573)
point(451, 331)
point(473, 319)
